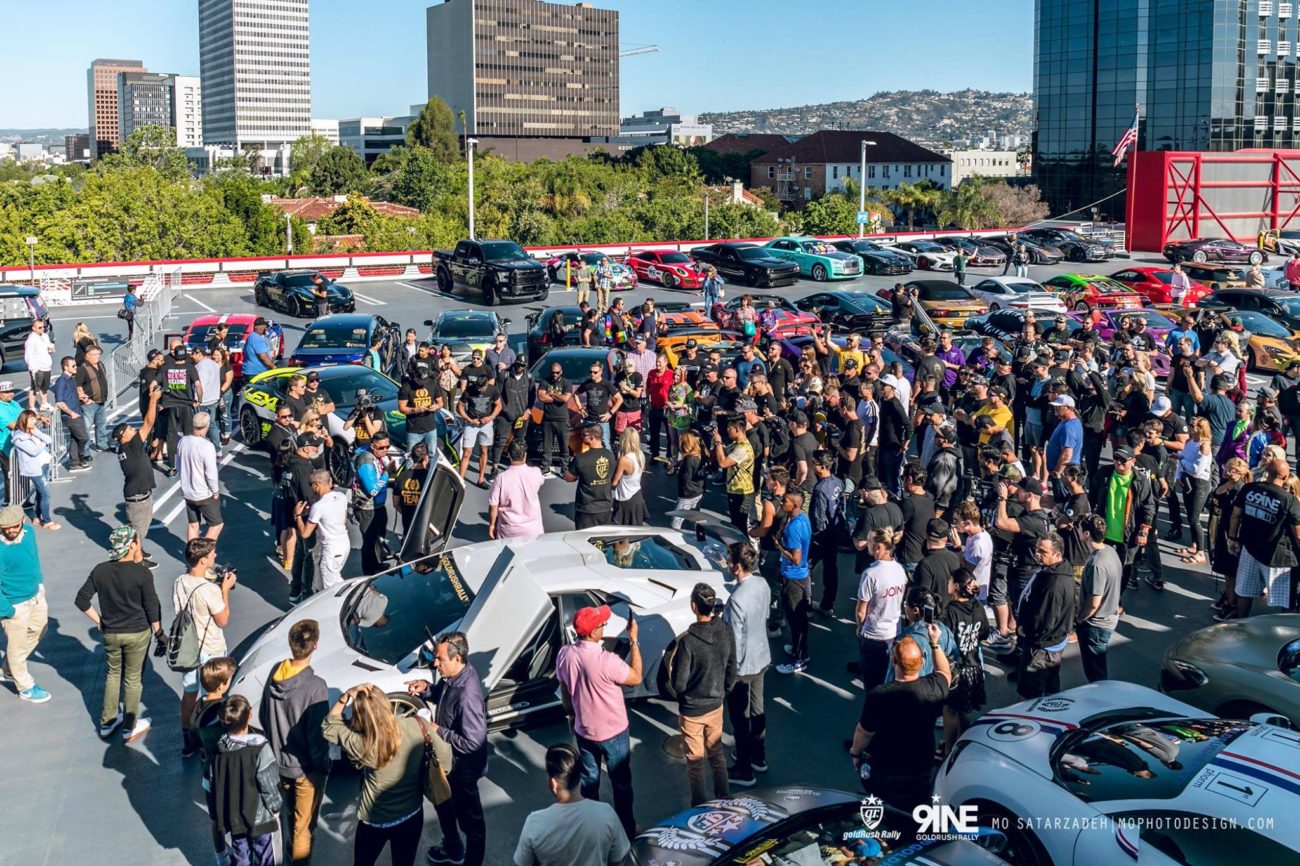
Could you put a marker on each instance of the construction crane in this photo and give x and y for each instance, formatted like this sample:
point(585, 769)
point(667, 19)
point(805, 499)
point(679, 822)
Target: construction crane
point(639, 49)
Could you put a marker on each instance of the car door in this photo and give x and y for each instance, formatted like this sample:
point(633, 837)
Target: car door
point(435, 514)
point(471, 264)
point(507, 611)
point(729, 263)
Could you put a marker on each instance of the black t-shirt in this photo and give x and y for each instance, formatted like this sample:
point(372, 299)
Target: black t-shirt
point(1172, 425)
point(297, 404)
point(480, 370)
point(918, 511)
point(931, 366)
point(627, 383)
point(1268, 514)
point(148, 376)
point(1033, 526)
point(692, 364)
point(901, 716)
point(280, 440)
point(419, 394)
point(594, 469)
point(802, 448)
point(599, 396)
point(409, 487)
point(728, 398)
point(851, 437)
point(361, 433)
point(558, 410)
point(779, 375)
point(297, 481)
point(479, 402)
point(934, 571)
point(179, 382)
point(969, 625)
point(887, 515)
point(136, 469)
point(1077, 549)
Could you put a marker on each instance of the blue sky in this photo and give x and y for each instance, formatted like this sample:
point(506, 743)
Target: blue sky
point(368, 58)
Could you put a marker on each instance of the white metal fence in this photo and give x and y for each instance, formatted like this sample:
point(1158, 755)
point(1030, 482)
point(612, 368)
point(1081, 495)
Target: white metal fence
point(156, 293)
point(19, 489)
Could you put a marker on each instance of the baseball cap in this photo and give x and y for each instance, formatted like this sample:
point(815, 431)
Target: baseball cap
point(313, 376)
point(119, 541)
point(180, 350)
point(889, 380)
point(260, 320)
point(153, 353)
point(871, 482)
point(1161, 405)
point(310, 440)
point(692, 343)
point(937, 528)
point(639, 338)
point(851, 364)
point(1123, 452)
point(11, 515)
point(708, 367)
point(1032, 485)
point(589, 619)
point(799, 417)
point(7, 386)
point(999, 391)
point(1063, 400)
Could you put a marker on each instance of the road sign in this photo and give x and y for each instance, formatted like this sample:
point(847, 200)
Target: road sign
point(863, 217)
point(31, 240)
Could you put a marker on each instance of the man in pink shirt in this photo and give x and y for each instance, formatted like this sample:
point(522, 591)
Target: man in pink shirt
point(591, 686)
point(514, 511)
point(1292, 271)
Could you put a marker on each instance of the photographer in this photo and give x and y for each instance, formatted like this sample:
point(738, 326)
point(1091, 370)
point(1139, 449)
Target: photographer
point(366, 420)
point(204, 591)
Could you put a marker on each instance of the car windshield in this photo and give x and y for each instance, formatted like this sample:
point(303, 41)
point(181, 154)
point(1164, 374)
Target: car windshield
point(675, 258)
point(234, 337)
point(1258, 323)
point(944, 293)
point(928, 247)
point(576, 365)
point(1024, 287)
point(818, 248)
point(333, 336)
point(461, 326)
point(1139, 754)
point(751, 254)
point(503, 251)
point(866, 302)
point(1108, 287)
point(390, 615)
point(1291, 305)
point(295, 280)
point(651, 553)
point(342, 386)
point(761, 302)
point(1151, 317)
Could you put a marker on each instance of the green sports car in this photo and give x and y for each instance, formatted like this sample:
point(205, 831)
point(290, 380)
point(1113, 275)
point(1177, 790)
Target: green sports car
point(1238, 668)
point(816, 258)
point(261, 395)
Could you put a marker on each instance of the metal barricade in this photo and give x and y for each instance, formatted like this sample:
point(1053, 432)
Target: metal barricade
point(156, 294)
point(19, 488)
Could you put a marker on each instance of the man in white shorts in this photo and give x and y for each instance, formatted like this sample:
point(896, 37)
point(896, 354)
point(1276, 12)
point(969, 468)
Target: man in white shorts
point(1264, 521)
point(329, 515)
point(478, 407)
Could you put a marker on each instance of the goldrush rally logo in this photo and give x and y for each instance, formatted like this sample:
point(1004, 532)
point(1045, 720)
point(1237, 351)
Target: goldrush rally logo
point(872, 811)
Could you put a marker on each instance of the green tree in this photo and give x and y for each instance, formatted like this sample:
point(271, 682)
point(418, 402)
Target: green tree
point(435, 129)
point(241, 195)
point(339, 170)
point(154, 147)
point(912, 198)
point(303, 156)
point(718, 167)
point(356, 216)
point(967, 207)
point(664, 160)
point(832, 214)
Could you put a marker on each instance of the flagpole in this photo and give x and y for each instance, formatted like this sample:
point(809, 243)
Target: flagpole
point(1130, 204)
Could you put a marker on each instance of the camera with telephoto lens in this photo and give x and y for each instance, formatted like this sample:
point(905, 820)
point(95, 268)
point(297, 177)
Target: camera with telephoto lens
point(221, 571)
point(364, 400)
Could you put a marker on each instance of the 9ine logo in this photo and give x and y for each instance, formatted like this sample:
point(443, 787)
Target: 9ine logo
point(940, 820)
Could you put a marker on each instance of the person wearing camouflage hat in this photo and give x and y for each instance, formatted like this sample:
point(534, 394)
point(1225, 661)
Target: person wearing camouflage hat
point(129, 613)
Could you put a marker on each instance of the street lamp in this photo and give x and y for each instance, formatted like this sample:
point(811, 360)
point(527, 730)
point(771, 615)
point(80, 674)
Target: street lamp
point(706, 216)
point(469, 154)
point(288, 232)
point(862, 188)
point(31, 256)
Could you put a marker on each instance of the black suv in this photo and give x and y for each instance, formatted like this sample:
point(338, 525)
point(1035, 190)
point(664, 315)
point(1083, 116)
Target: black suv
point(19, 307)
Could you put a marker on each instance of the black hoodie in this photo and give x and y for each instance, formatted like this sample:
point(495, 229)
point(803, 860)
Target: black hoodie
point(704, 667)
point(293, 709)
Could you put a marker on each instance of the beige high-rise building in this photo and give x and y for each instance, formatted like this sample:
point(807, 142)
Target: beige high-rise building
point(101, 97)
point(526, 68)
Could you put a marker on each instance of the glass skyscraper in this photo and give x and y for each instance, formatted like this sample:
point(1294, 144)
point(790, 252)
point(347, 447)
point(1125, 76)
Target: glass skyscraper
point(1207, 75)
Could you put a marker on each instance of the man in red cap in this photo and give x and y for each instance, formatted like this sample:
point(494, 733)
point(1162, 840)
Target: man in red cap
point(591, 685)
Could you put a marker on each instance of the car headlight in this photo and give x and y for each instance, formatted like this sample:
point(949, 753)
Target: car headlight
point(1191, 675)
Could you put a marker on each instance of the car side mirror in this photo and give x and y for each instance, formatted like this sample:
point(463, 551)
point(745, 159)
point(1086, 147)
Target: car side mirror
point(505, 322)
point(428, 323)
point(1275, 719)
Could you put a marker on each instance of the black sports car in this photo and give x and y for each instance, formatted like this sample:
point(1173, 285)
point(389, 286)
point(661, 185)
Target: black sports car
point(291, 292)
point(1202, 250)
point(539, 330)
point(1076, 247)
point(849, 309)
point(748, 264)
point(875, 258)
point(1039, 253)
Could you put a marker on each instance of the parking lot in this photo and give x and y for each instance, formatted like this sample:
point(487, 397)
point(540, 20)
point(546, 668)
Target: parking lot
point(71, 798)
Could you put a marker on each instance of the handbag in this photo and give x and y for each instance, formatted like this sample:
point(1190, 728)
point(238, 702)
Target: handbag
point(123, 313)
point(436, 786)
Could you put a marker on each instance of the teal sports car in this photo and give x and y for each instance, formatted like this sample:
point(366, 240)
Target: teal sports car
point(816, 258)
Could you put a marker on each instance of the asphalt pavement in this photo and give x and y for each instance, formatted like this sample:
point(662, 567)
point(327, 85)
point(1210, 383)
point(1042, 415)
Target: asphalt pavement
point(70, 798)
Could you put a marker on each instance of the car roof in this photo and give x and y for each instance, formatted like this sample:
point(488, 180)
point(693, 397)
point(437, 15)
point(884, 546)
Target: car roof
point(486, 315)
point(224, 318)
point(1268, 293)
point(346, 320)
point(19, 291)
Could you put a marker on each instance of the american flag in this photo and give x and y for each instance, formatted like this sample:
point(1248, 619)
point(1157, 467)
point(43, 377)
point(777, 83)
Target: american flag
point(1127, 140)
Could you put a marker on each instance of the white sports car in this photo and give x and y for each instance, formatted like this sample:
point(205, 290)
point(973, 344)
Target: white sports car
point(514, 600)
point(1114, 773)
point(925, 255)
point(1016, 293)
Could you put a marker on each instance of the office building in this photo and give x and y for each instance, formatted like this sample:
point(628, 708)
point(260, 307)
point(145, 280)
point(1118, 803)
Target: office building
point(101, 98)
point(526, 68)
point(187, 109)
point(666, 126)
point(1209, 75)
point(982, 163)
point(372, 136)
point(143, 99)
point(255, 71)
point(326, 129)
point(819, 163)
point(76, 148)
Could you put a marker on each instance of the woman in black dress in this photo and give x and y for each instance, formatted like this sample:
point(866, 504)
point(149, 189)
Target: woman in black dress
point(1223, 561)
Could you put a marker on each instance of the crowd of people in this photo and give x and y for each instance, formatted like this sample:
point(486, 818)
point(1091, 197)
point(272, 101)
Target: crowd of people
point(993, 508)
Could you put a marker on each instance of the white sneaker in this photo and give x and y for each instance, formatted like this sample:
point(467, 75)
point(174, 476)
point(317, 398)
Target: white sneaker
point(141, 728)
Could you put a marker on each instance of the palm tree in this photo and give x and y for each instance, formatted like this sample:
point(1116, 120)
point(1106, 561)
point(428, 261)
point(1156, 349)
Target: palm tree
point(967, 206)
point(912, 198)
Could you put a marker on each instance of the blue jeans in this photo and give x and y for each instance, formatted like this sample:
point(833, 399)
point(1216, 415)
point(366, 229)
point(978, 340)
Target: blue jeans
point(214, 433)
point(96, 417)
point(1093, 642)
point(710, 301)
point(430, 439)
point(1183, 404)
point(41, 493)
point(224, 406)
point(616, 752)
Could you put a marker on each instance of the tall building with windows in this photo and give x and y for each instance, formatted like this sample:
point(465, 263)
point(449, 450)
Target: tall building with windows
point(526, 68)
point(1206, 74)
point(143, 99)
point(101, 98)
point(187, 110)
point(255, 71)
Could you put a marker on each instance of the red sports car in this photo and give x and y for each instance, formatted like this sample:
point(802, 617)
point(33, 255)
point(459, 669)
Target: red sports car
point(240, 326)
point(1154, 283)
point(777, 317)
point(1080, 291)
point(668, 268)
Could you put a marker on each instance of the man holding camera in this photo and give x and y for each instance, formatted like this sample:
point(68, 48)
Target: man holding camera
point(204, 591)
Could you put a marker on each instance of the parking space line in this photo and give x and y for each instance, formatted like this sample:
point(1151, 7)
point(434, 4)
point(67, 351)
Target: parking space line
point(374, 302)
point(195, 300)
point(125, 407)
point(419, 289)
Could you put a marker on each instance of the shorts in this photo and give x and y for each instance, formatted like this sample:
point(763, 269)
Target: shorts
point(624, 420)
point(473, 436)
point(208, 511)
point(190, 679)
point(1253, 578)
point(40, 380)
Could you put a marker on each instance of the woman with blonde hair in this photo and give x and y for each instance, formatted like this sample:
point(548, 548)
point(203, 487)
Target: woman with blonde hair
point(82, 339)
point(880, 606)
point(691, 473)
point(629, 504)
point(389, 751)
point(1192, 479)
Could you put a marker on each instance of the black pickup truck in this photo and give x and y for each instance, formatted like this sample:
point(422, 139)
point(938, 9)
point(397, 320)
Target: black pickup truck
point(501, 270)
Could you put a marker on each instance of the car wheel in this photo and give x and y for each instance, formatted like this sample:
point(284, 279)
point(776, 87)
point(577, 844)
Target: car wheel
point(546, 292)
point(259, 296)
point(1200, 257)
point(296, 308)
point(819, 273)
point(752, 279)
point(490, 292)
point(444, 281)
point(1256, 258)
point(250, 427)
point(668, 279)
point(1081, 307)
point(405, 706)
point(923, 263)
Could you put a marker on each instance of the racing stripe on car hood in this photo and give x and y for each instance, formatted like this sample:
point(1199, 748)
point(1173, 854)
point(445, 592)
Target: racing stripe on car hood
point(1261, 770)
